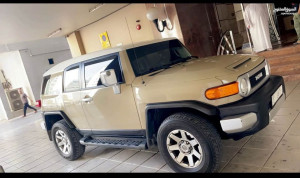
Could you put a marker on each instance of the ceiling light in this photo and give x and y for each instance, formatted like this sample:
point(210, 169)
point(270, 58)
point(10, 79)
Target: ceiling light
point(96, 7)
point(55, 32)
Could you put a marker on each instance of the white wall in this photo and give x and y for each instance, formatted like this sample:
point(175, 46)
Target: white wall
point(37, 65)
point(24, 65)
point(14, 71)
point(35, 55)
point(2, 111)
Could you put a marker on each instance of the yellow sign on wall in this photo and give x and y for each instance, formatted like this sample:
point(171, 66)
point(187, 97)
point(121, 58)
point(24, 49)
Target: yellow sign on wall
point(104, 40)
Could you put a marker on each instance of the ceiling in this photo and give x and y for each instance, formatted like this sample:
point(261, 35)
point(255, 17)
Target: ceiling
point(33, 21)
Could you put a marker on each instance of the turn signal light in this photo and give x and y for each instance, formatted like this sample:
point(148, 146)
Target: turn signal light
point(222, 91)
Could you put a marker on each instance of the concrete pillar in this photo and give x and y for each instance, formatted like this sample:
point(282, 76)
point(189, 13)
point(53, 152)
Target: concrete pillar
point(7, 113)
point(75, 44)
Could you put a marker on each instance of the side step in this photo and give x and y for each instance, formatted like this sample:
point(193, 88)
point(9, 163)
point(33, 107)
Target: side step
point(136, 143)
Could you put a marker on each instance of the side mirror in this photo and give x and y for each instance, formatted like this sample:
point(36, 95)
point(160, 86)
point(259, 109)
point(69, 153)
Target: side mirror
point(109, 78)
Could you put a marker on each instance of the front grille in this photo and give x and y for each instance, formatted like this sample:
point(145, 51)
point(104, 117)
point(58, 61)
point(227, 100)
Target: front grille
point(257, 77)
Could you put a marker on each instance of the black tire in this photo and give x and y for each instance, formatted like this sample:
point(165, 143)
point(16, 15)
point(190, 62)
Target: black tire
point(77, 149)
point(202, 130)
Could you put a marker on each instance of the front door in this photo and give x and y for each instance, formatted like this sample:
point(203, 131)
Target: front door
point(105, 110)
point(71, 97)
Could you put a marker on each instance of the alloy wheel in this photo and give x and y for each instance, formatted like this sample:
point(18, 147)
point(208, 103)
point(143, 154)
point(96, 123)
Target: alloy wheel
point(184, 148)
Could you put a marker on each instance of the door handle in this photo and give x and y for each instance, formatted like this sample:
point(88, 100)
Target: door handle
point(87, 99)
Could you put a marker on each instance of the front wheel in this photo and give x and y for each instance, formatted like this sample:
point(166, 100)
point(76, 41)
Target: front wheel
point(189, 143)
point(66, 141)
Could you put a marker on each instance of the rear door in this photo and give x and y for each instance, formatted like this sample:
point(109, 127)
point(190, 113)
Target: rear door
point(105, 110)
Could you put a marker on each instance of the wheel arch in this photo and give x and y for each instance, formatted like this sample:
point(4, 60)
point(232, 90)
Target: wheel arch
point(51, 117)
point(156, 113)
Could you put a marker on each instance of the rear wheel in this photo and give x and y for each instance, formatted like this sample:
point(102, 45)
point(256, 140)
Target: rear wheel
point(66, 141)
point(189, 143)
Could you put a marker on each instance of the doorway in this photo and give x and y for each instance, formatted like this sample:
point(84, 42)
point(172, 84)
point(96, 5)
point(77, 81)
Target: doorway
point(285, 22)
point(199, 27)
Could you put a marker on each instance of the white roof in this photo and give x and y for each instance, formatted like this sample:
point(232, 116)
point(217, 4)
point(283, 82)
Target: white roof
point(61, 66)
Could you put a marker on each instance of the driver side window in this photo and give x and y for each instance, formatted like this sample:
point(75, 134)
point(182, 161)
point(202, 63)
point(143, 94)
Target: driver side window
point(93, 69)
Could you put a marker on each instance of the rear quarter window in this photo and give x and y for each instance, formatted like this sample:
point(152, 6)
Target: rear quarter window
point(53, 86)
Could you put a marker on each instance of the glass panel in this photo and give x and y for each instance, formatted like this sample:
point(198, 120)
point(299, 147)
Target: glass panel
point(153, 57)
point(54, 86)
point(72, 79)
point(93, 69)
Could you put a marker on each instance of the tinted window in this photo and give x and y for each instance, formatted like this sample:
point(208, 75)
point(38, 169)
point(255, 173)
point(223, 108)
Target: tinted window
point(149, 58)
point(71, 79)
point(54, 86)
point(93, 69)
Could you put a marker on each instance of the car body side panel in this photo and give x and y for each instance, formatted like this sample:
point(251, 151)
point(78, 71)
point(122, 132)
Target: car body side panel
point(172, 91)
point(110, 111)
point(73, 109)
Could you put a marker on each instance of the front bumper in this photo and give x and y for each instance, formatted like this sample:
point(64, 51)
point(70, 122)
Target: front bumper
point(253, 113)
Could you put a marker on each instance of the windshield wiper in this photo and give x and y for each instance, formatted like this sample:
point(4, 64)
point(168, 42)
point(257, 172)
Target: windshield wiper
point(183, 59)
point(160, 68)
point(166, 66)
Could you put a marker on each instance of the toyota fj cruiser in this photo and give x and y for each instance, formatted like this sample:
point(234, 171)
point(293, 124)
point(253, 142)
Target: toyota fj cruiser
point(157, 95)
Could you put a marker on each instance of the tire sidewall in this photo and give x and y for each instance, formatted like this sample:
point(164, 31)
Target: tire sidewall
point(162, 146)
point(61, 127)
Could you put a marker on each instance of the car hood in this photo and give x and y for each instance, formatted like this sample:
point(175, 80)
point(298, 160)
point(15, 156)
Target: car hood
point(205, 68)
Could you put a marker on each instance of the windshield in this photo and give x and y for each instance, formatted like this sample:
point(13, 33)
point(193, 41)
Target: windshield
point(149, 58)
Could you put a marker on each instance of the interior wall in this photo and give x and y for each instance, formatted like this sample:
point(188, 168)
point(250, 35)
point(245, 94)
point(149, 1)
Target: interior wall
point(37, 65)
point(10, 62)
point(2, 111)
point(171, 12)
point(76, 45)
point(5, 109)
point(34, 58)
point(120, 27)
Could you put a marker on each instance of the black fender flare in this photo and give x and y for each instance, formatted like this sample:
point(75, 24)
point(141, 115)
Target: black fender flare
point(196, 105)
point(62, 114)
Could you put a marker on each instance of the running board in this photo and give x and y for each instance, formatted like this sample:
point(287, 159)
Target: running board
point(136, 143)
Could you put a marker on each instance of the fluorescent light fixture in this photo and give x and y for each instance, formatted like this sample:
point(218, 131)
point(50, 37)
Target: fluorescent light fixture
point(96, 7)
point(55, 32)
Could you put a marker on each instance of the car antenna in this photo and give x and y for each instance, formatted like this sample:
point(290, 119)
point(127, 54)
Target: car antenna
point(134, 52)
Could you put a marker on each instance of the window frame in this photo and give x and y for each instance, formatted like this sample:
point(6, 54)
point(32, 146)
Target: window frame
point(79, 78)
point(100, 59)
point(44, 84)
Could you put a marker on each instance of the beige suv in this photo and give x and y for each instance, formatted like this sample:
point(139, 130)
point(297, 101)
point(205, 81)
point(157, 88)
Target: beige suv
point(157, 95)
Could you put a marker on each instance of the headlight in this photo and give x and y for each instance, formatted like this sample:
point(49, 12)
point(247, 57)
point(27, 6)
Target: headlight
point(244, 86)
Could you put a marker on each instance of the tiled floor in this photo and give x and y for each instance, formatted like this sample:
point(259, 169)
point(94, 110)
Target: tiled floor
point(25, 147)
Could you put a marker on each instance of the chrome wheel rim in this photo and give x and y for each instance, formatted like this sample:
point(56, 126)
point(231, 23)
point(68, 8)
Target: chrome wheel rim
point(63, 142)
point(184, 148)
